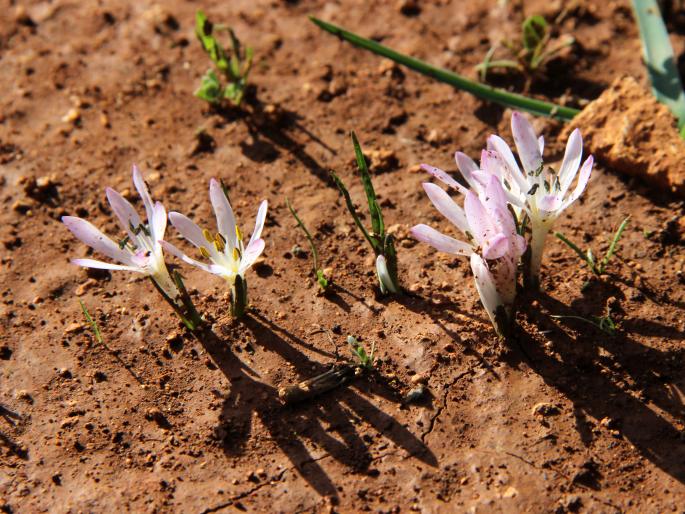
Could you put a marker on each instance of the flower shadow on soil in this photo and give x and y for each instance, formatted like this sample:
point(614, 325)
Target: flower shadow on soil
point(271, 133)
point(290, 426)
point(610, 378)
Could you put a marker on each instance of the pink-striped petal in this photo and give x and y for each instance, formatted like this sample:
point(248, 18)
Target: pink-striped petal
point(446, 206)
point(91, 235)
point(526, 142)
point(225, 219)
point(440, 241)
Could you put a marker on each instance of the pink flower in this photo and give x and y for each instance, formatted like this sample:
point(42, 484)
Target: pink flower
point(493, 244)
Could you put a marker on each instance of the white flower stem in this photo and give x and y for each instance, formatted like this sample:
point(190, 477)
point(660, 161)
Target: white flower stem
point(539, 231)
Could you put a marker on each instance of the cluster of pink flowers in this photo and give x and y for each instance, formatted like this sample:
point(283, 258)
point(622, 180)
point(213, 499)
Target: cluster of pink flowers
point(500, 202)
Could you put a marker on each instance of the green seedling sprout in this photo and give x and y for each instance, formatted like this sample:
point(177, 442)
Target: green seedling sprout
point(382, 243)
point(530, 54)
point(234, 65)
point(604, 323)
point(366, 360)
point(321, 279)
point(498, 96)
point(597, 267)
point(93, 324)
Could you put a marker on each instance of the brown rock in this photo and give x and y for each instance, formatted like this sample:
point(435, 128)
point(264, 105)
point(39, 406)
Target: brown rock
point(630, 132)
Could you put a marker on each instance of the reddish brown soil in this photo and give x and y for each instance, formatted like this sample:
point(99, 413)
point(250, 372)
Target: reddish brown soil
point(562, 418)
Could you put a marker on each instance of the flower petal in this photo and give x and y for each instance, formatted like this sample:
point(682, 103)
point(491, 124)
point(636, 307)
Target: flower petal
point(443, 177)
point(583, 178)
point(526, 143)
point(191, 231)
point(496, 247)
point(259, 223)
point(479, 221)
point(446, 206)
point(124, 211)
point(254, 249)
point(485, 284)
point(225, 219)
point(440, 241)
point(467, 167)
point(143, 191)
point(158, 221)
point(188, 260)
point(91, 235)
point(498, 145)
point(571, 163)
point(92, 263)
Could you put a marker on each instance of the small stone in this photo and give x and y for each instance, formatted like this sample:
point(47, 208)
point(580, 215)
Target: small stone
point(415, 168)
point(104, 120)
point(72, 116)
point(415, 288)
point(86, 286)
point(545, 409)
point(156, 415)
point(420, 378)
point(415, 394)
point(72, 328)
point(21, 206)
point(24, 396)
point(510, 492)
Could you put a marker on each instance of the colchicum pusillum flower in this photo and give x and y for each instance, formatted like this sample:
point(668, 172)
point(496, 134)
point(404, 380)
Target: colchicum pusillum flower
point(229, 257)
point(493, 244)
point(540, 191)
point(140, 250)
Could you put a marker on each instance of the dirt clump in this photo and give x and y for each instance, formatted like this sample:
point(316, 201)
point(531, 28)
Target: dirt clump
point(629, 131)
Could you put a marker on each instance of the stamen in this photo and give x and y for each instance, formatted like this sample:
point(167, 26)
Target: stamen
point(238, 234)
point(205, 253)
point(208, 235)
point(219, 243)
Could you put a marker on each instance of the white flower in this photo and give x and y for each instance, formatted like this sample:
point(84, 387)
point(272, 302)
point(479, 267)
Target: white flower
point(493, 245)
point(140, 251)
point(540, 191)
point(226, 251)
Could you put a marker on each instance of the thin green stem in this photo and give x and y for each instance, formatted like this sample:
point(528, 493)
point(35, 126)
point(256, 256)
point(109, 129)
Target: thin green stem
point(531, 105)
point(315, 254)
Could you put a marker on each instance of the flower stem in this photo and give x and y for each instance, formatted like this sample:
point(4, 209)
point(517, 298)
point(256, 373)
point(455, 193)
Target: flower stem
point(239, 297)
point(539, 231)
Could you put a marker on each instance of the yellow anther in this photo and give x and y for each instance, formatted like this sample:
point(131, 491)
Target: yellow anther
point(219, 243)
point(236, 254)
point(205, 252)
point(238, 233)
point(208, 235)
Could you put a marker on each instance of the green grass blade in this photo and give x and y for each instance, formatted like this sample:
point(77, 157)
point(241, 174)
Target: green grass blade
point(377, 224)
point(92, 322)
point(614, 242)
point(658, 53)
point(350, 207)
point(301, 224)
point(537, 107)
